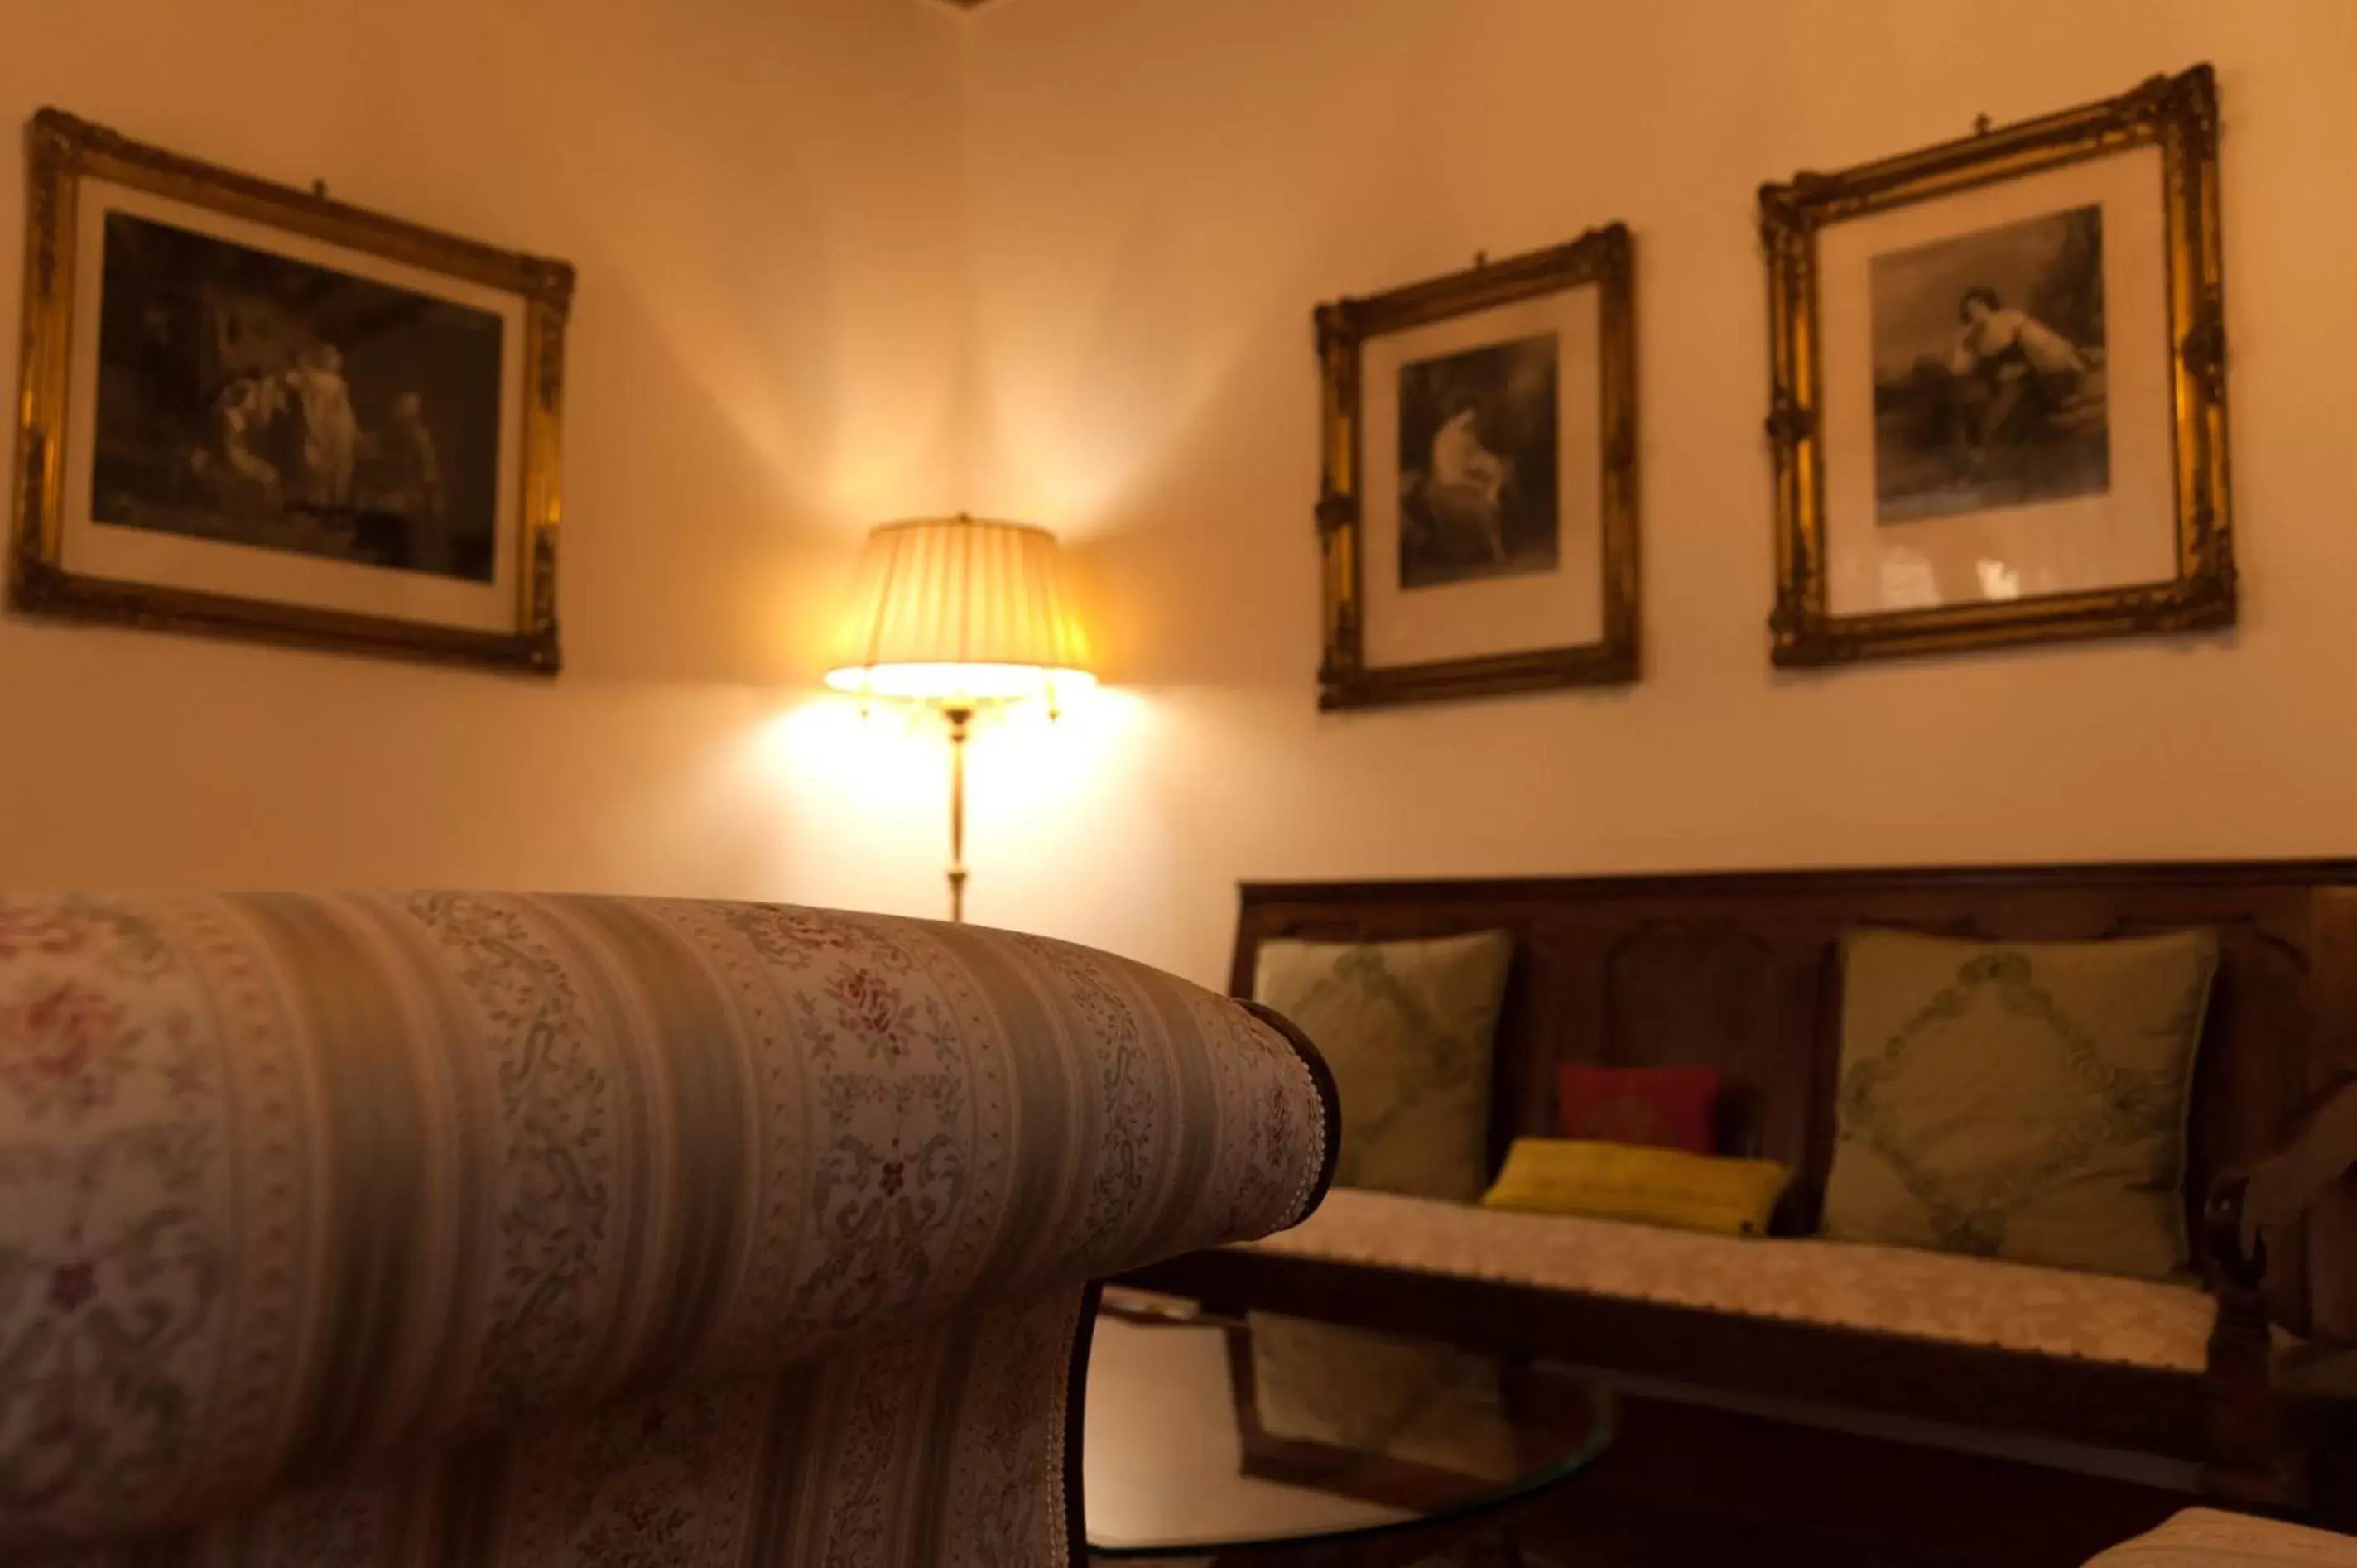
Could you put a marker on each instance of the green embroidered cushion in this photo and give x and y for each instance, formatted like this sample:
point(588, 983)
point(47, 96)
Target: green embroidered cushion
point(1407, 1028)
point(2022, 1100)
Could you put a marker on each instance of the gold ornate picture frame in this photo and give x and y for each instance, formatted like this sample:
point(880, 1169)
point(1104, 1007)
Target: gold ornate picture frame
point(1477, 510)
point(256, 411)
point(1998, 404)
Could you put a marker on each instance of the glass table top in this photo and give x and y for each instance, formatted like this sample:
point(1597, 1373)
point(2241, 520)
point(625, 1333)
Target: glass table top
point(1205, 1436)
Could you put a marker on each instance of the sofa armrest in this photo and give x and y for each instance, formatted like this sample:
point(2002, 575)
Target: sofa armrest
point(294, 1188)
point(2245, 1204)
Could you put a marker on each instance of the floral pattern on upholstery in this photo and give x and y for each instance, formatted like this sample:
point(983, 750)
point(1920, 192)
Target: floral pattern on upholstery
point(110, 1281)
point(476, 1229)
point(557, 1157)
point(664, 1482)
point(1845, 1284)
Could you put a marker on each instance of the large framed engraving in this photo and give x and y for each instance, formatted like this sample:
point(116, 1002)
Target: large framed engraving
point(1478, 504)
point(256, 411)
point(1998, 409)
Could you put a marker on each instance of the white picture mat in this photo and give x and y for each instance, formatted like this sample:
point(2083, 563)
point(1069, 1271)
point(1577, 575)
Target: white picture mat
point(2126, 536)
point(1561, 608)
point(124, 554)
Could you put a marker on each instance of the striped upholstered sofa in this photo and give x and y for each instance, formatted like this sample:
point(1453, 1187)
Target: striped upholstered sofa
point(453, 1229)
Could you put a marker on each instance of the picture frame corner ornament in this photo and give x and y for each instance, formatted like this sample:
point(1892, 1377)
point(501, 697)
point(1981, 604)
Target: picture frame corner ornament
point(1341, 683)
point(1336, 323)
point(1784, 218)
point(34, 587)
point(553, 284)
point(2195, 88)
point(2226, 594)
point(2202, 348)
point(1798, 642)
point(1790, 421)
point(52, 131)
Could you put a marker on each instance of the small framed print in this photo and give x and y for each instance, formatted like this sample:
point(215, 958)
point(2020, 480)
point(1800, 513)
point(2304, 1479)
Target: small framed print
point(254, 410)
point(1479, 508)
point(1998, 410)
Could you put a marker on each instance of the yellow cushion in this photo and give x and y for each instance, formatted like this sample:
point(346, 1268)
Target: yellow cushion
point(1626, 1181)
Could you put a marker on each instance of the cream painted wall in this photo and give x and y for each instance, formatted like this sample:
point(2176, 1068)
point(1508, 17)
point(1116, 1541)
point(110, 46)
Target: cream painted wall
point(1159, 190)
point(764, 357)
point(842, 260)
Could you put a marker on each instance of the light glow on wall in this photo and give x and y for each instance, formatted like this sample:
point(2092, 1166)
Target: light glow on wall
point(866, 785)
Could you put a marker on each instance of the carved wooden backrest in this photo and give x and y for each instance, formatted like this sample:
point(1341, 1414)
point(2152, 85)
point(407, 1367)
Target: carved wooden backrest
point(1740, 972)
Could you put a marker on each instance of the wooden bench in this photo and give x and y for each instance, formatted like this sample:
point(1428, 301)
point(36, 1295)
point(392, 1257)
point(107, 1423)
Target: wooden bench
point(1739, 971)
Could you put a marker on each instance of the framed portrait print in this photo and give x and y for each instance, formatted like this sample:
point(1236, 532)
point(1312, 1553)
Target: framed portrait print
point(255, 411)
point(1998, 409)
point(1479, 506)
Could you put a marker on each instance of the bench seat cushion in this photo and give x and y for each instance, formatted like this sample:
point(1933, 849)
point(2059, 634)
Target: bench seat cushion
point(1926, 1295)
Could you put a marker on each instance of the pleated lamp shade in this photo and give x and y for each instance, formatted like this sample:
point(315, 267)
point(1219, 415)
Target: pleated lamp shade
point(958, 611)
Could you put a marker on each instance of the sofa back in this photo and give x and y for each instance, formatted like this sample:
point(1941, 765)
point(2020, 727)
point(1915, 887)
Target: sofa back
point(1740, 973)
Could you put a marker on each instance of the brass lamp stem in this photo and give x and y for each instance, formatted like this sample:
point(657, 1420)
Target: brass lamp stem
point(961, 719)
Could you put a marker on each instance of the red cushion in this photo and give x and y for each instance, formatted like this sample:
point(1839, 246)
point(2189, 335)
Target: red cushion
point(1666, 1106)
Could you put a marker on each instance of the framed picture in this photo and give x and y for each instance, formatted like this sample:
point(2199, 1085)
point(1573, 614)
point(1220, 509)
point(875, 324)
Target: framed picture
point(1998, 410)
point(255, 411)
point(1479, 509)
